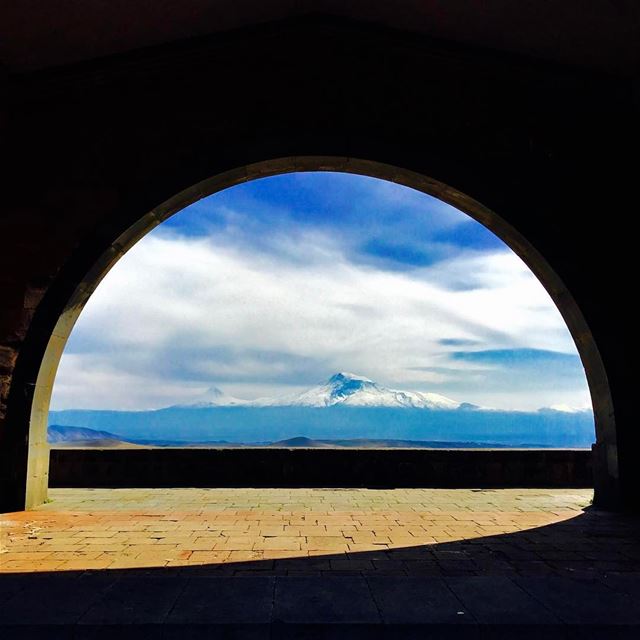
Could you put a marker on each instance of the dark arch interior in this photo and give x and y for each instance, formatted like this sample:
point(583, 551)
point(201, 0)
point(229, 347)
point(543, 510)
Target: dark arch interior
point(538, 146)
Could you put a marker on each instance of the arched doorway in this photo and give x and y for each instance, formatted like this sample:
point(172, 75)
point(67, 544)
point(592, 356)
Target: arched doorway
point(37, 405)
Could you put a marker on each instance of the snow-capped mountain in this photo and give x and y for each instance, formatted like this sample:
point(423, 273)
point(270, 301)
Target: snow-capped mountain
point(346, 408)
point(214, 397)
point(347, 389)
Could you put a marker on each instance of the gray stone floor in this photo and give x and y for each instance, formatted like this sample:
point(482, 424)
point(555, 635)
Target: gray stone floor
point(150, 604)
point(319, 564)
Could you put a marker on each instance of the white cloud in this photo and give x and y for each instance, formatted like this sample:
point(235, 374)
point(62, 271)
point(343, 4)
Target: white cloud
point(172, 301)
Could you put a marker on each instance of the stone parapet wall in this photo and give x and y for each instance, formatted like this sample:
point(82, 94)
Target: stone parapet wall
point(266, 467)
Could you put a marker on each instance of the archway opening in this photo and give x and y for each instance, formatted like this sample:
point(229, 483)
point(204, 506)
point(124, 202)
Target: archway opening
point(241, 320)
point(402, 260)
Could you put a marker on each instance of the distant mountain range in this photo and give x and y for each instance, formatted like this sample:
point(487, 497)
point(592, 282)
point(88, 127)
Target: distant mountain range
point(346, 408)
point(346, 389)
point(68, 437)
point(349, 390)
point(76, 437)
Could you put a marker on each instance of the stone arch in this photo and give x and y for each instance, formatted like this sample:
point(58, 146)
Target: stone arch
point(37, 404)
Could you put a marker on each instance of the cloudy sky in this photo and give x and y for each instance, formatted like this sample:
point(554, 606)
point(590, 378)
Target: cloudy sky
point(270, 287)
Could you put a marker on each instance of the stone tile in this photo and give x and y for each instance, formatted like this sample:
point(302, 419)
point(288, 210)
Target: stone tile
point(328, 543)
point(11, 585)
point(279, 543)
point(135, 600)
point(582, 601)
point(624, 583)
point(222, 600)
point(498, 600)
point(55, 599)
point(326, 600)
point(245, 543)
point(407, 600)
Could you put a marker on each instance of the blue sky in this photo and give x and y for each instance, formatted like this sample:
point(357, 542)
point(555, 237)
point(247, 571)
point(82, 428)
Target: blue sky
point(376, 222)
point(271, 286)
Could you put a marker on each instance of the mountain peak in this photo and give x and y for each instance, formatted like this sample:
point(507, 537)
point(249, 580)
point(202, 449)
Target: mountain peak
point(343, 385)
point(214, 397)
point(346, 376)
point(353, 390)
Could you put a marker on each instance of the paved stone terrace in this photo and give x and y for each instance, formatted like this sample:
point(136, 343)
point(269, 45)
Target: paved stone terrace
point(317, 531)
point(283, 563)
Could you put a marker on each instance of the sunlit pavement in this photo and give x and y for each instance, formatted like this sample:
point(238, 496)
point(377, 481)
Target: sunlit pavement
point(477, 561)
point(121, 528)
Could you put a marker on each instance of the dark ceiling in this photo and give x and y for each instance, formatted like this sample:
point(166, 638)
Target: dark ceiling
point(593, 34)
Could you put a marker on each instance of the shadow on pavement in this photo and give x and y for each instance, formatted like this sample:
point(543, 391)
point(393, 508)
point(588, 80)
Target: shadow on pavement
point(577, 577)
